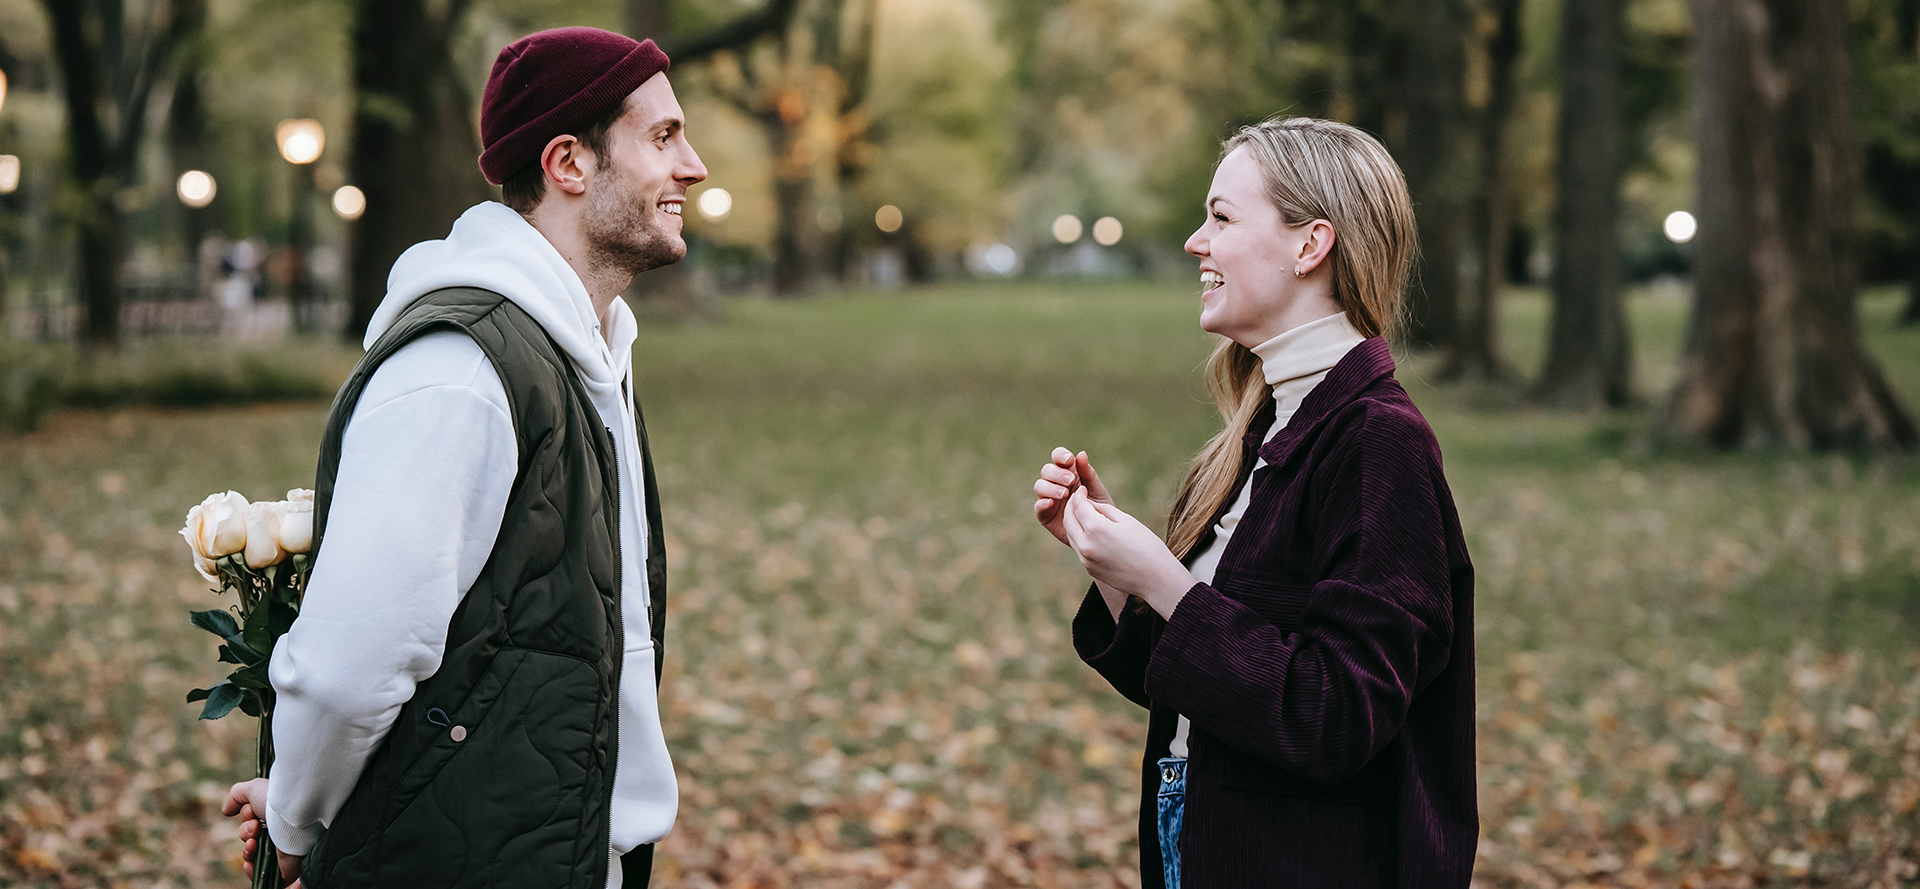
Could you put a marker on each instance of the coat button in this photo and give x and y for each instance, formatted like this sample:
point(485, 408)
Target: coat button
point(459, 733)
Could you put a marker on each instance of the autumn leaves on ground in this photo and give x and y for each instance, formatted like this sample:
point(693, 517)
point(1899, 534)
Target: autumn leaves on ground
point(1694, 670)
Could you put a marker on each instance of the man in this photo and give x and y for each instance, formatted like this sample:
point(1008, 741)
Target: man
point(468, 696)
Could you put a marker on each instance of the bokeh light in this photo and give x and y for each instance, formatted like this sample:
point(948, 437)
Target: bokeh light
point(9, 173)
point(196, 188)
point(349, 202)
point(300, 140)
point(1001, 259)
point(889, 218)
point(1681, 226)
point(3, 89)
point(715, 203)
point(1107, 231)
point(828, 218)
point(1066, 229)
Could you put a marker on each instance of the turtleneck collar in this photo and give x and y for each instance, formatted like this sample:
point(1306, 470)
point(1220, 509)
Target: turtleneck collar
point(1296, 361)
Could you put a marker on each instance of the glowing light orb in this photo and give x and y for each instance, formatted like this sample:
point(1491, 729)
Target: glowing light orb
point(301, 140)
point(1066, 229)
point(889, 218)
point(1681, 226)
point(349, 202)
point(196, 188)
point(715, 203)
point(1107, 231)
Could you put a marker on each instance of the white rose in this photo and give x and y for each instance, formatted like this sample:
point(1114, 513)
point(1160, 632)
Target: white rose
point(263, 535)
point(191, 532)
point(223, 525)
point(296, 521)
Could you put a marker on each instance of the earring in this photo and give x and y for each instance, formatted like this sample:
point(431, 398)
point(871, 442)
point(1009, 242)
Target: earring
point(1297, 273)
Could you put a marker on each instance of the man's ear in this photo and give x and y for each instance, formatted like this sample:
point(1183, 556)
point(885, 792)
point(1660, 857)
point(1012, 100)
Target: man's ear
point(566, 163)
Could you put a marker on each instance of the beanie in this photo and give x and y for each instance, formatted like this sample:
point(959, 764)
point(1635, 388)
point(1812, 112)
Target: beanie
point(554, 83)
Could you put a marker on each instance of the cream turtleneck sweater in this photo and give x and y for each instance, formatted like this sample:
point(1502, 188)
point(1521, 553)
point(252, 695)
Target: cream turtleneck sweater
point(1294, 363)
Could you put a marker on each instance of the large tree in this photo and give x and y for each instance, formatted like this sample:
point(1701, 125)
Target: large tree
point(414, 143)
point(1432, 151)
point(1476, 346)
point(1774, 353)
point(110, 57)
point(1587, 345)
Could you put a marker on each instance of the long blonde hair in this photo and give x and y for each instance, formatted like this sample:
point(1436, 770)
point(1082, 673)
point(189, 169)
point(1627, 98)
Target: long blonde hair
point(1313, 169)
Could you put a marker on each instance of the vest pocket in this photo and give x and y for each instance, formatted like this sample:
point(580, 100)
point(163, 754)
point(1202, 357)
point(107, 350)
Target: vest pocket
point(501, 795)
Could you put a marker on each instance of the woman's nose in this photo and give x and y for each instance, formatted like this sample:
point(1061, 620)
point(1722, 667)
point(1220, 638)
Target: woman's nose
point(1196, 244)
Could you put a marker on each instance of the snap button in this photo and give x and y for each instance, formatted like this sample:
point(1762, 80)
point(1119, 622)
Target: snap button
point(458, 734)
point(1167, 774)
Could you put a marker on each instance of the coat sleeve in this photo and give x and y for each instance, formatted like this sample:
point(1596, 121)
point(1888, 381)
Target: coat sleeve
point(1117, 650)
point(1322, 700)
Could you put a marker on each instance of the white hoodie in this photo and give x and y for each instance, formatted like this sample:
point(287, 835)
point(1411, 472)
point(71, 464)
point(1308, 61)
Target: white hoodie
point(426, 469)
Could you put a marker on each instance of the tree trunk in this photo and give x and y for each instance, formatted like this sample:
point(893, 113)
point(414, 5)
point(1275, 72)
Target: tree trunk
point(1587, 342)
point(1430, 152)
point(102, 68)
point(414, 150)
point(1476, 350)
point(1774, 354)
point(796, 241)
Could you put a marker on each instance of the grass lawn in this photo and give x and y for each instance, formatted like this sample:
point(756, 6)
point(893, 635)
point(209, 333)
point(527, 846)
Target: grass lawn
point(1694, 670)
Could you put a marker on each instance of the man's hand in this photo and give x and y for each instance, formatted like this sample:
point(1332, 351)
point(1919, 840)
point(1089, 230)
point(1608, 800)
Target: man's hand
point(1058, 480)
point(1122, 554)
point(248, 799)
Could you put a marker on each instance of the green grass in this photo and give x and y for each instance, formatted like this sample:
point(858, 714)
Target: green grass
point(1694, 669)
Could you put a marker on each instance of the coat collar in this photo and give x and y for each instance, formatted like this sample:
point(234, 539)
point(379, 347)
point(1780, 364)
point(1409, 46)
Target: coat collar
point(1359, 369)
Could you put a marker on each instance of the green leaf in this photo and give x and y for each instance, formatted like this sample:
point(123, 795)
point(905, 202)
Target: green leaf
point(198, 694)
point(251, 676)
point(250, 705)
point(281, 611)
point(218, 622)
point(221, 699)
point(256, 635)
point(227, 656)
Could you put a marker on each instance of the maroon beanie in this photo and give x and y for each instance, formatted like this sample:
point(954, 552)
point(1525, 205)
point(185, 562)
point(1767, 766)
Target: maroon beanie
point(554, 83)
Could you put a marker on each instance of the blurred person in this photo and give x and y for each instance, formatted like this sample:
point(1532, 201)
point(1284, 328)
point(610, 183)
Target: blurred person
point(468, 697)
point(1304, 640)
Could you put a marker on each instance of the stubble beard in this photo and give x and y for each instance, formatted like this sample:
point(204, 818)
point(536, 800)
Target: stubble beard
point(622, 231)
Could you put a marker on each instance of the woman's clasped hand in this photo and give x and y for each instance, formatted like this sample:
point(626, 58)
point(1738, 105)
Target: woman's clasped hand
point(1122, 555)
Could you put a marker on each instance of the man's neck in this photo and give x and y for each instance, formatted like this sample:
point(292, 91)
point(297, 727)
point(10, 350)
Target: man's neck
point(604, 282)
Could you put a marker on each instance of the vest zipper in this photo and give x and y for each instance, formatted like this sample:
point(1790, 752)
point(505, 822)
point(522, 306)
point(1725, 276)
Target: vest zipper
point(619, 569)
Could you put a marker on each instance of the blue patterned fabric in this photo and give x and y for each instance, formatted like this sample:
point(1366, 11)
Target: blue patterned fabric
point(1173, 810)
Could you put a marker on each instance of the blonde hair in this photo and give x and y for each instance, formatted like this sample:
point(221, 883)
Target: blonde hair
point(1313, 169)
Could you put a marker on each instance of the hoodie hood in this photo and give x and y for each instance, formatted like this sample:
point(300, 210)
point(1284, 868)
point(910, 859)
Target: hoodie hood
point(494, 248)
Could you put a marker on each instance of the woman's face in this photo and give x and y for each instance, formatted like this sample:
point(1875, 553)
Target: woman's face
point(1248, 255)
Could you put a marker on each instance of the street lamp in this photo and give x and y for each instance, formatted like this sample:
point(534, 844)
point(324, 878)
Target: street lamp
point(301, 141)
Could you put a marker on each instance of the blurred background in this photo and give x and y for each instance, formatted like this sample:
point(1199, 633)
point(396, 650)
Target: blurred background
point(1666, 324)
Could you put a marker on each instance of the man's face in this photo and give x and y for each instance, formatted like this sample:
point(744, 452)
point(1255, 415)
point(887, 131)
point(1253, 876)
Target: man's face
point(636, 194)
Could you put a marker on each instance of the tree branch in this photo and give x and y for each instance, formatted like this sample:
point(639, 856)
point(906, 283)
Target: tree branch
point(772, 18)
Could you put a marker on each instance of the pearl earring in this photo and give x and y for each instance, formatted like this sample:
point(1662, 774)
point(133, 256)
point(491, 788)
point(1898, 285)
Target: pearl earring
point(1298, 273)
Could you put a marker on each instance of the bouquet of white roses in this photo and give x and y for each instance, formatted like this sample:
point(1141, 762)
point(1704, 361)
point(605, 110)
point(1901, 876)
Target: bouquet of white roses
point(259, 551)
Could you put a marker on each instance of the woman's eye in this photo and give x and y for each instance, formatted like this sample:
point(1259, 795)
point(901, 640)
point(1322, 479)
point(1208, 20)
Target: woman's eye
point(1219, 218)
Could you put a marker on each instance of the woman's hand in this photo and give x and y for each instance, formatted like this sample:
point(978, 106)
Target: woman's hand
point(248, 799)
point(1122, 554)
point(1068, 472)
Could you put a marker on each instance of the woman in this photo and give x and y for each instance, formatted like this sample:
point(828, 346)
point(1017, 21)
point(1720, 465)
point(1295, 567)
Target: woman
point(1304, 640)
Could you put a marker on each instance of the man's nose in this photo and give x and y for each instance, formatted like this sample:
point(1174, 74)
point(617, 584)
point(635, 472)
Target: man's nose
point(691, 169)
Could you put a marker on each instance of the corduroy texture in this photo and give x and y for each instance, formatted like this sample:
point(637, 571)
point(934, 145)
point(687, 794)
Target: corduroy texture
point(553, 83)
point(1328, 670)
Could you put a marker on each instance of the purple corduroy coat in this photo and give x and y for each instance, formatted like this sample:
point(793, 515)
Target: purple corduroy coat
point(1327, 670)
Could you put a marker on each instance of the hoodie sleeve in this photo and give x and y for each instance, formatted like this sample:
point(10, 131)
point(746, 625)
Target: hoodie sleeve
point(426, 468)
